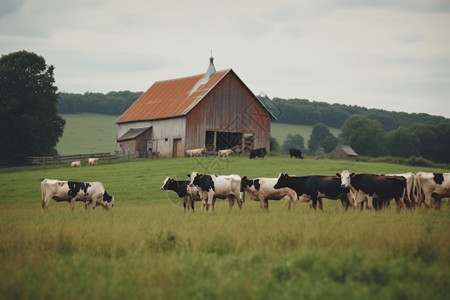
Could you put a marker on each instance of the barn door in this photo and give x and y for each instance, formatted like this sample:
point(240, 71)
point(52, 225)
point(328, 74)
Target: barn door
point(142, 148)
point(177, 148)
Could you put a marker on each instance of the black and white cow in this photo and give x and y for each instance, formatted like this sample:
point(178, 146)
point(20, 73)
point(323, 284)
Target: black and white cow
point(187, 197)
point(212, 187)
point(370, 186)
point(316, 187)
point(91, 193)
point(262, 190)
point(260, 152)
point(431, 188)
point(296, 153)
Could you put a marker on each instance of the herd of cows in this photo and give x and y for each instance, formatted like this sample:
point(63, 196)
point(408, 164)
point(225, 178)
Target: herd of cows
point(371, 191)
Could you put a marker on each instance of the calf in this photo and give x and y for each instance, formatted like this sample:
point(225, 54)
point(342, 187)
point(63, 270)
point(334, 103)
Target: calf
point(367, 186)
point(187, 197)
point(431, 188)
point(91, 193)
point(296, 153)
point(225, 152)
point(213, 186)
point(262, 190)
point(315, 187)
point(196, 152)
point(75, 164)
point(260, 152)
point(92, 161)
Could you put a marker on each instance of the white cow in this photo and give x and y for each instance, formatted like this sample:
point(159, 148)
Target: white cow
point(217, 186)
point(262, 190)
point(91, 193)
point(431, 188)
point(75, 164)
point(92, 161)
point(196, 152)
point(225, 152)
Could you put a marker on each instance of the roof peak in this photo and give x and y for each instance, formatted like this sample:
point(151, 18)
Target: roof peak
point(211, 69)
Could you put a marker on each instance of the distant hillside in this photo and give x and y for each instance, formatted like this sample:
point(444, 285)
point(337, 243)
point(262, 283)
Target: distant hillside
point(305, 112)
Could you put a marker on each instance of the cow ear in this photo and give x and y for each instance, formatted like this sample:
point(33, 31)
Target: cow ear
point(244, 178)
point(188, 175)
point(338, 175)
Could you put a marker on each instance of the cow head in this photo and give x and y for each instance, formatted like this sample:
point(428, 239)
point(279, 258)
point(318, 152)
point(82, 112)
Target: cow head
point(281, 181)
point(345, 178)
point(166, 184)
point(108, 201)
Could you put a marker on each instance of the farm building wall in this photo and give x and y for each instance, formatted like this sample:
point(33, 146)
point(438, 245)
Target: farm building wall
point(230, 107)
point(164, 134)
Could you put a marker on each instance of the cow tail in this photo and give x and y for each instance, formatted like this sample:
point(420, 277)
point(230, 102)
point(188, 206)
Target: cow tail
point(43, 193)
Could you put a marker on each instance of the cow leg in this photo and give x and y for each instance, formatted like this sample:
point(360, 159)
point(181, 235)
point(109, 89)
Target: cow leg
point(370, 202)
point(266, 204)
point(210, 205)
point(72, 204)
point(45, 203)
point(319, 200)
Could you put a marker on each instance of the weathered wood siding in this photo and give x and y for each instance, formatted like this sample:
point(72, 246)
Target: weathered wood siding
point(230, 107)
point(164, 132)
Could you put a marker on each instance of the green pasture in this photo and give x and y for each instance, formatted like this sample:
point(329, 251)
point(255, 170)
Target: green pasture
point(146, 247)
point(95, 133)
point(88, 133)
point(280, 131)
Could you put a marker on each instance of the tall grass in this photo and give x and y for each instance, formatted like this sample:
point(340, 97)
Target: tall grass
point(147, 248)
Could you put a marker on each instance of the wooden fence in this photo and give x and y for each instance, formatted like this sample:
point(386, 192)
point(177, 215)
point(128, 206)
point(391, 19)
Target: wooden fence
point(61, 159)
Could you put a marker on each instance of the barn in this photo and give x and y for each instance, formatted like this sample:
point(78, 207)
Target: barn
point(215, 110)
point(344, 152)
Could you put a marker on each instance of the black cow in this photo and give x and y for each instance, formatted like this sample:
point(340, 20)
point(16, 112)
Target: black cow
point(316, 187)
point(188, 197)
point(260, 152)
point(296, 153)
point(370, 186)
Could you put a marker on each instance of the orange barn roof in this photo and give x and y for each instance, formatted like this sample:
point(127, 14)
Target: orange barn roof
point(171, 98)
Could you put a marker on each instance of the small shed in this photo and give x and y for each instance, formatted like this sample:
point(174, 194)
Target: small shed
point(344, 152)
point(214, 110)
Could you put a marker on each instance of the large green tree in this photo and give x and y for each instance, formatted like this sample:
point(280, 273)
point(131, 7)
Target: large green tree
point(321, 138)
point(29, 120)
point(365, 136)
point(402, 142)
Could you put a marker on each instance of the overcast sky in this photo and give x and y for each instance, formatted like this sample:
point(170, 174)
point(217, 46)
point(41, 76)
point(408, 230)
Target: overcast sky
point(388, 54)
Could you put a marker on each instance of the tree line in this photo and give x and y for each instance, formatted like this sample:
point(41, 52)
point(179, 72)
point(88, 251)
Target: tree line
point(112, 103)
point(305, 112)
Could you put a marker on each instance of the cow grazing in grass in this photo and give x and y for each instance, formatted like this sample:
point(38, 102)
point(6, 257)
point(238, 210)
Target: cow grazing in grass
point(75, 164)
point(225, 152)
point(92, 161)
point(315, 187)
point(262, 190)
point(366, 187)
point(431, 188)
point(187, 196)
point(195, 152)
point(260, 152)
point(212, 187)
point(296, 153)
point(91, 193)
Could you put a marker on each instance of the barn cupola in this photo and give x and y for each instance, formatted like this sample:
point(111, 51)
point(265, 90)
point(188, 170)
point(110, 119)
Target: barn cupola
point(211, 69)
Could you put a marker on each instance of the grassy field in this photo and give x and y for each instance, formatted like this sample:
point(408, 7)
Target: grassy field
point(280, 131)
point(96, 133)
point(88, 133)
point(147, 248)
